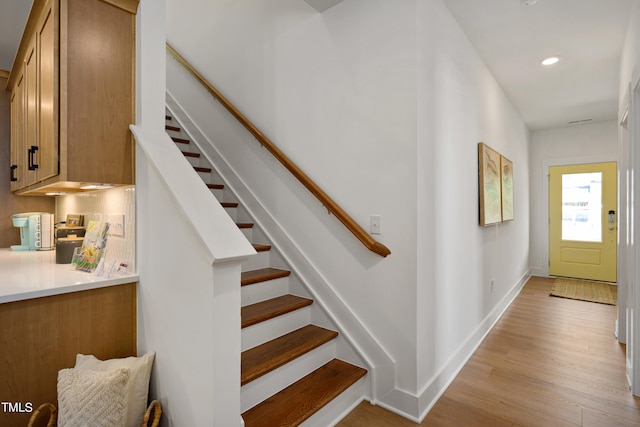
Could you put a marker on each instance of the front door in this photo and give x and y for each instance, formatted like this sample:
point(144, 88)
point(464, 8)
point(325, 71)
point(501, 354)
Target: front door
point(582, 221)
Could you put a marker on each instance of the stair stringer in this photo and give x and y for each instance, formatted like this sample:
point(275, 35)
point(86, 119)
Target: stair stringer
point(335, 312)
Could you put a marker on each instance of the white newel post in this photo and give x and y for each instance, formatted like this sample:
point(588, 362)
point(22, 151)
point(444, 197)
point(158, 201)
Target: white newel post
point(226, 344)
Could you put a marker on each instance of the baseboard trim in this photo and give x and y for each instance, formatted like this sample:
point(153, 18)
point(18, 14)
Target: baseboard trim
point(540, 271)
point(416, 407)
point(434, 390)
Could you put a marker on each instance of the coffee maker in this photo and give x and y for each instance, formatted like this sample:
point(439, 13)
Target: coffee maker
point(36, 231)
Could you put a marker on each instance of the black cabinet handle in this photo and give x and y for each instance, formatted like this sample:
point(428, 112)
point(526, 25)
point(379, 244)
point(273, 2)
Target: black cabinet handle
point(13, 173)
point(32, 152)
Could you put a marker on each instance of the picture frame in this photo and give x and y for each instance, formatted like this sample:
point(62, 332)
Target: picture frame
point(490, 185)
point(506, 175)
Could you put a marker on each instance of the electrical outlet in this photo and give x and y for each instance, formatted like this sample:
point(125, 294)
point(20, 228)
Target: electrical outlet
point(374, 226)
point(493, 284)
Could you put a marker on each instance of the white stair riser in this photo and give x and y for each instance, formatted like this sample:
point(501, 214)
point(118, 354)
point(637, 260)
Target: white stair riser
point(263, 291)
point(257, 261)
point(260, 389)
point(262, 332)
point(232, 212)
point(206, 177)
point(339, 407)
point(193, 161)
point(248, 233)
point(218, 194)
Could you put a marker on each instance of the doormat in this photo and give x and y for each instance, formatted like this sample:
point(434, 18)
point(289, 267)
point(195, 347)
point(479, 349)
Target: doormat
point(583, 290)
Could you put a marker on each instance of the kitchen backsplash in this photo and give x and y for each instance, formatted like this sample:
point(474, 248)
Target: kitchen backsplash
point(106, 205)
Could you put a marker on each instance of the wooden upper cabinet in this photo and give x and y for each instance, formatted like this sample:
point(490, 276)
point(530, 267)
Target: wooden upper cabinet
point(76, 64)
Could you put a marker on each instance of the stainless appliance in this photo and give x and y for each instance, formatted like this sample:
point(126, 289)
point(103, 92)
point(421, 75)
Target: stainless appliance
point(68, 238)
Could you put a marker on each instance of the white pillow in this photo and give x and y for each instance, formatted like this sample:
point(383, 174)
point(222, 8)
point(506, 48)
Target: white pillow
point(138, 388)
point(92, 398)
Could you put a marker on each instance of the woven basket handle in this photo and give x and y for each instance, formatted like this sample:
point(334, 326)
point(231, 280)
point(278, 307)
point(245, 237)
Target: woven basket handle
point(53, 415)
point(154, 409)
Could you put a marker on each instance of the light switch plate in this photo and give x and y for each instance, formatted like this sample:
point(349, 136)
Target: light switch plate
point(375, 226)
point(116, 224)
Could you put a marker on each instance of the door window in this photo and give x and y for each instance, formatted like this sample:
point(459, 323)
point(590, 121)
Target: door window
point(582, 207)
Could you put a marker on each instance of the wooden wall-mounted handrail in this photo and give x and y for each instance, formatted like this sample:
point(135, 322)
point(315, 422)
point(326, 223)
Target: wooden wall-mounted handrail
point(331, 206)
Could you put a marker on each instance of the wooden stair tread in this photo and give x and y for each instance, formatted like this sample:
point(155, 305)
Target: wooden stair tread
point(173, 128)
point(168, 118)
point(201, 169)
point(265, 310)
point(261, 248)
point(262, 275)
point(273, 354)
point(229, 204)
point(296, 403)
point(190, 154)
point(180, 140)
point(244, 224)
point(215, 186)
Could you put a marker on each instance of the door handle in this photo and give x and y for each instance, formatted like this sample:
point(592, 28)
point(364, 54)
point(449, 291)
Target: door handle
point(612, 220)
point(32, 151)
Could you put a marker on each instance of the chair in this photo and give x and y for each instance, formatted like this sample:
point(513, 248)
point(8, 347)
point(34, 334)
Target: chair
point(152, 414)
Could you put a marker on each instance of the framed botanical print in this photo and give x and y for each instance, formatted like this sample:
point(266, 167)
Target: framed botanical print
point(506, 173)
point(490, 183)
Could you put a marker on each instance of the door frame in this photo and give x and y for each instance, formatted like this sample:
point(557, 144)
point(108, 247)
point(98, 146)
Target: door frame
point(561, 161)
point(624, 230)
point(633, 290)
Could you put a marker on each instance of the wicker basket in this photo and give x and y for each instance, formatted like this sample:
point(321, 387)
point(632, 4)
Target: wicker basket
point(153, 414)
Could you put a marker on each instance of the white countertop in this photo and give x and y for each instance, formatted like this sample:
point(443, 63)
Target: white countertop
point(33, 274)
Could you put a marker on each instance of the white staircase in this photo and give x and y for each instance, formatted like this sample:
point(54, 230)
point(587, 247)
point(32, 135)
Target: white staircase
point(290, 371)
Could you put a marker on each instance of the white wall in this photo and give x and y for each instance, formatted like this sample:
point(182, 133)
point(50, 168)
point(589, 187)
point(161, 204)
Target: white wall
point(630, 58)
point(462, 105)
point(336, 92)
point(382, 104)
point(97, 205)
point(587, 143)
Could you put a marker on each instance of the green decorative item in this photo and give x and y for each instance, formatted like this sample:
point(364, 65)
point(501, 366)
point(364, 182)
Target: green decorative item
point(88, 256)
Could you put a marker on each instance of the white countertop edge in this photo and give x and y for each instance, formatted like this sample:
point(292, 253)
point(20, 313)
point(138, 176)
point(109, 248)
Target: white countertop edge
point(25, 294)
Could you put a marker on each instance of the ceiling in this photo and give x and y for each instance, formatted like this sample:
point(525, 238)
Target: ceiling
point(587, 36)
point(12, 22)
point(512, 39)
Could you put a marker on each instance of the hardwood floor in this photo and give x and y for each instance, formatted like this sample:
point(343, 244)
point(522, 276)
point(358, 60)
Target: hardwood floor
point(547, 362)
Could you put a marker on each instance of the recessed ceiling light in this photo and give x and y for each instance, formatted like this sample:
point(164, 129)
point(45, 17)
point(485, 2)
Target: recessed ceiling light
point(550, 61)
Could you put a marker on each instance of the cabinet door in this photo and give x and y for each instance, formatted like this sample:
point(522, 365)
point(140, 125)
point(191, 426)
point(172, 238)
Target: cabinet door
point(31, 113)
point(17, 136)
point(41, 94)
point(48, 94)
